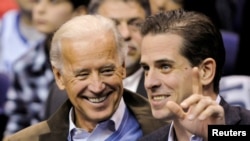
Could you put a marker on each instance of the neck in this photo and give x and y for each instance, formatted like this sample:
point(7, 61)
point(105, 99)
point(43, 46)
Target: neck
point(180, 133)
point(84, 124)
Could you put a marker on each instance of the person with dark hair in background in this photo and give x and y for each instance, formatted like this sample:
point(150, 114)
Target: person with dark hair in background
point(165, 5)
point(182, 55)
point(88, 62)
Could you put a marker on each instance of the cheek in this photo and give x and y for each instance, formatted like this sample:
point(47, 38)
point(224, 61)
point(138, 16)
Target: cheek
point(184, 88)
point(137, 38)
point(74, 87)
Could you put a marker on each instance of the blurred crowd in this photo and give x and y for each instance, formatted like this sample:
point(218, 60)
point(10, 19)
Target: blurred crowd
point(25, 73)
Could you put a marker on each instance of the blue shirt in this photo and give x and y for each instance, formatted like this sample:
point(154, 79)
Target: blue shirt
point(122, 125)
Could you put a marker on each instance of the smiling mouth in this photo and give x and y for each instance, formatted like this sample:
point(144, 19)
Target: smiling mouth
point(160, 97)
point(131, 50)
point(96, 99)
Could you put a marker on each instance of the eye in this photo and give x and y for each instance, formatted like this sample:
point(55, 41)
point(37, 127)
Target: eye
point(83, 75)
point(107, 71)
point(135, 24)
point(165, 67)
point(145, 68)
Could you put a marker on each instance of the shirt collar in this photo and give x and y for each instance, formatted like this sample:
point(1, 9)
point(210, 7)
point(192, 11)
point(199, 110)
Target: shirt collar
point(171, 133)
point(218, 99)
point(116, 117)
point(131, 82)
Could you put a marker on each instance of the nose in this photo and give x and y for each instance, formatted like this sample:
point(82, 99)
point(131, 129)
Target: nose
point(96, 84)
point(125, 32)
point(152, 80)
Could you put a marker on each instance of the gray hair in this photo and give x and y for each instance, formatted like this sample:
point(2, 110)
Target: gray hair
point(81, 26)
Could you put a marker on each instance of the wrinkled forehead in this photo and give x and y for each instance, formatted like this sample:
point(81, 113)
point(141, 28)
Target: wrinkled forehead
point(90, 47)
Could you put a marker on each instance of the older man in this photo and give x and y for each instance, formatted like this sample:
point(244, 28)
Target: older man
point(89, 64)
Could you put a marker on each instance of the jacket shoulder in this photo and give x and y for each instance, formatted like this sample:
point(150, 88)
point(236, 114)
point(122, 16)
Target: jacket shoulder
point(160, 134)
point(30, 133)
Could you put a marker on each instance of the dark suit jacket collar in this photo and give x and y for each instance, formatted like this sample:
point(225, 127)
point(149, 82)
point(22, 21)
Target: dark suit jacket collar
point(141, 89)
point(232, 114)
point(59, 124)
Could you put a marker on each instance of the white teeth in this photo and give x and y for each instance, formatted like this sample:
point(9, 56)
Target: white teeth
point(97, 100)
point(159, 97)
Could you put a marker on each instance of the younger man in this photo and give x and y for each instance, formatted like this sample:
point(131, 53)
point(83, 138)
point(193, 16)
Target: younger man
point(183, 57)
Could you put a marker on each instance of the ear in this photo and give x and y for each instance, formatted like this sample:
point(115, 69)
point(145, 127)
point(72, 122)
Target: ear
point(81, 10)
point(58, 78)
point(207, 71)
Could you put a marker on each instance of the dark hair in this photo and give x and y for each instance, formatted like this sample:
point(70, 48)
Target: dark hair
point(95, 4)
point(77, 3)
point(201, 38)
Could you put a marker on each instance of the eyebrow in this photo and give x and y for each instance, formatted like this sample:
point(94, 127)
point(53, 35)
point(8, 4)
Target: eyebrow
point(160, 62)
point(79, 71)
point(164, 61)
point(135, 19)
point(129, 20)
point(86, 69)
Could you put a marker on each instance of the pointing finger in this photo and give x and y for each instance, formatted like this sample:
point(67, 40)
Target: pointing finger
point(196, 84)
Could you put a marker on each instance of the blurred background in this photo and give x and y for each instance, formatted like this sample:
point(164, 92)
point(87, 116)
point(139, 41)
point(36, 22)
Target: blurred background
point(230, 16)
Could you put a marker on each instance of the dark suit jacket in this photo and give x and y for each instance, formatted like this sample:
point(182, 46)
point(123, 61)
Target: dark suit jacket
point(141, 89)
point(57, 97)
point(56, 128)
point(233, 116)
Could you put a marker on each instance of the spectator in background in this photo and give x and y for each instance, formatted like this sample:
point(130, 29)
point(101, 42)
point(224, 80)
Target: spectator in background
point(33, 74)
point(89, 63)
point(165, 5)
point(128, 15)
point(17, 35)
point(4, 85)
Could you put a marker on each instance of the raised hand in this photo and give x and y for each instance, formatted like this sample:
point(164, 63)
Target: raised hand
point(197, 111)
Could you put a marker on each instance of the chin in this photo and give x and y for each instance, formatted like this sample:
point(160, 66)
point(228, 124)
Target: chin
point(161, 114)
point(158, 114)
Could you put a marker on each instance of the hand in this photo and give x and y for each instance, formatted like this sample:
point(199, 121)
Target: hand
point(197, 111)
